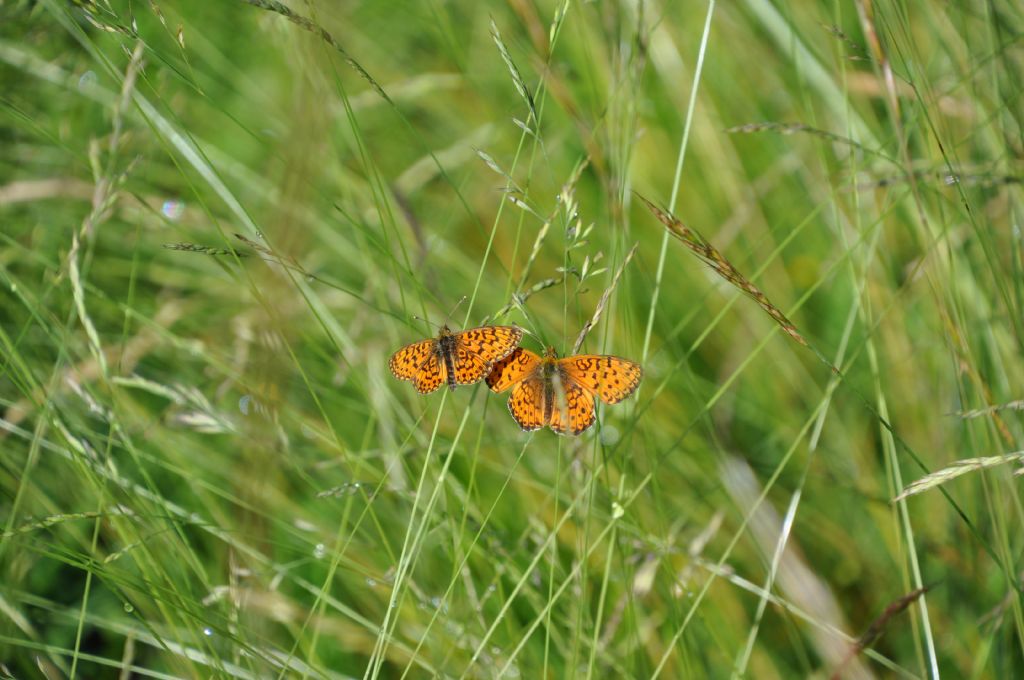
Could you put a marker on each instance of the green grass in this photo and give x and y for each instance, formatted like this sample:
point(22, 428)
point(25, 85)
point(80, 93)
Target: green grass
point(207, 469)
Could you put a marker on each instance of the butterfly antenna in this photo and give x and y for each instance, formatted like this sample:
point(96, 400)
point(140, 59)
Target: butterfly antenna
point(426, 321)
point(448, 318)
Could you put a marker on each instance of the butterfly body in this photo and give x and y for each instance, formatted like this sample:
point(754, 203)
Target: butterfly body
point(454, 358)
point(447, 345)
point(549, 369)
point(562, 393)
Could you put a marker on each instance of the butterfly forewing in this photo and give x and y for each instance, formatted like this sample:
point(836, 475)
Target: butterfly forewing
point(611, 378)
point(405, 363)
point(513, 368)
point(490, 343)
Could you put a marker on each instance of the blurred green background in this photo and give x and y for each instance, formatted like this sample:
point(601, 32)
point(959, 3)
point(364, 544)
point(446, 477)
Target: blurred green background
point(206, 469)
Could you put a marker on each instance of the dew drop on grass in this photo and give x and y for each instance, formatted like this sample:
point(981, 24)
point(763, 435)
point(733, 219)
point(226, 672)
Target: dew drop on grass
point(207, 632)
point(243, 404)
point(128, 607)
point(609, 435)
point(173, 210)
point(346, 489)
point(319, 551)
point(87, 80)
point(370, 582)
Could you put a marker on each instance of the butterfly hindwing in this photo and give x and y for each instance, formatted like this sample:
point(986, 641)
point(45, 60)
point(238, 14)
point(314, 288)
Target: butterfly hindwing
point(572, 409)
point(526, 404)
point(432, 374)
point(468, 367)
point(609, 377)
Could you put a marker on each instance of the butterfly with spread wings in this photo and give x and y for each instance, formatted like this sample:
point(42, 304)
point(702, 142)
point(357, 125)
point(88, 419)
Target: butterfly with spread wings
point(560, 393)
point(455, 358)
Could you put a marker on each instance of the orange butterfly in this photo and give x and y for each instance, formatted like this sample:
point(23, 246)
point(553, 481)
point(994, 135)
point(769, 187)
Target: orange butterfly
point(456, 358)
point(560, 392)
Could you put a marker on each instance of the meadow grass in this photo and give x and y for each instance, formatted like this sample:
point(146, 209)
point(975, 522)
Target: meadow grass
point(220, 219)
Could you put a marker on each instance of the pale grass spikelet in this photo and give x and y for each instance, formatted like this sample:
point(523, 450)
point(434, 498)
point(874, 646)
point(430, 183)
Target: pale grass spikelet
point(955, 470)
point(603, 302)
point(493, 165)
point(519, 298)
point(1016, 405)
point(78, 295)
point(517, 77)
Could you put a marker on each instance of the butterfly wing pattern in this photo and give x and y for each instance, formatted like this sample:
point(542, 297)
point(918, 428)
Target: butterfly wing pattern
point(610, 378)
point(560, 393)
point(432, 374)
point(520, 371)
point(478, 349)
point(405, 363)
point(454, 358)
point(572, 408)
point(512, 369)
point(526, 403)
